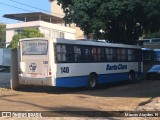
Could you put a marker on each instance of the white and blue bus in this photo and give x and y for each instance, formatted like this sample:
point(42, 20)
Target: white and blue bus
point(149, 55)
point(77, 63)
point(157, 52)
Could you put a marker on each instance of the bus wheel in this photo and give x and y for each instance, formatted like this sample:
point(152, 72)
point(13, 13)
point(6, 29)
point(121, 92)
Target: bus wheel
point(92, 82)
point(132, 76)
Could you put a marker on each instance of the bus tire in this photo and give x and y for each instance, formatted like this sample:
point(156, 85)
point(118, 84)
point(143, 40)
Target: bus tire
point(132, 76)
point(92, 81)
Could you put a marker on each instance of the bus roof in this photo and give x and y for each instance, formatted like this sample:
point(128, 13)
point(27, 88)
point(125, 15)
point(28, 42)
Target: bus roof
point(86, 42)
point(156, 49)
point(147, 49)
point(95, 43)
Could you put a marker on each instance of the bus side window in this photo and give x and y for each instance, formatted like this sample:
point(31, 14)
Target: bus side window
point(61, 53)
point(87, 53)
point(122, 54)
point(99, 54)
point(138, 56)
point(110, 54)
point(113, 54)
point(94, 54)
point(130, 55)
point(77, 53)
point(69, 53)
point(107, 54)
point(102, 55)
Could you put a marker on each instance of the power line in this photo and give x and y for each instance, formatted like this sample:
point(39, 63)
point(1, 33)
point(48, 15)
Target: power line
point(29, 6)
point(35, 7)
point(15, 7)
point(26, 9)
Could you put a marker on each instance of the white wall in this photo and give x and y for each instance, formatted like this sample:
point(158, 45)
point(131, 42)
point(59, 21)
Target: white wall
point(58, 11)
point(9, 35)
point(45, 27)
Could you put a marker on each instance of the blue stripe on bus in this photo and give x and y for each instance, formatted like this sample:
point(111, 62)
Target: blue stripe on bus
point(72, 81)
point(83, 80)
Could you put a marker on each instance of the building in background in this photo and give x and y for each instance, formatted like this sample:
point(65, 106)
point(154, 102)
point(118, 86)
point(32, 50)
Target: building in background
point(56, 10)
point(153, 43)
point(49, 25)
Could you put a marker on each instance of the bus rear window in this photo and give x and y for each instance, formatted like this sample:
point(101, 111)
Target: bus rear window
point(34, 47)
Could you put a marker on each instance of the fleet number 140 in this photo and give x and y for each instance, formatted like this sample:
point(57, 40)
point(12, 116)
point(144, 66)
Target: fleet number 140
point(64, 69)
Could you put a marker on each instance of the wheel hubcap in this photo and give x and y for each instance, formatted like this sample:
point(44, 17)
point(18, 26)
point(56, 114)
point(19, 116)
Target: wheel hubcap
point(92, 82)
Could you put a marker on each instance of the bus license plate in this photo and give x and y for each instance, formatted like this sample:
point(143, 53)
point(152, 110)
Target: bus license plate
point(35, 74)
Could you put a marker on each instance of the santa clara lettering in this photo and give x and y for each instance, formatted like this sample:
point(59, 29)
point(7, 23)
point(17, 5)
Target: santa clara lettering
point(116, 67)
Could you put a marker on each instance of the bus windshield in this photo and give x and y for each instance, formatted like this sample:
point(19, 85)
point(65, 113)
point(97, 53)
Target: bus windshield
point(34, 47)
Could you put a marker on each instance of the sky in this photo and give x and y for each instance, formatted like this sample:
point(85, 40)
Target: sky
point(22, 6)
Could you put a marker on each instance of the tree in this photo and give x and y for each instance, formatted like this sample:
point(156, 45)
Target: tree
point(121, 20)
point(2, 35)
point(26, 33)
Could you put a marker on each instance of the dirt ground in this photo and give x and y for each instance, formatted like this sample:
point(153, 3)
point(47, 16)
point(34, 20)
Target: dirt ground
point(137, 96)
point(107, 98)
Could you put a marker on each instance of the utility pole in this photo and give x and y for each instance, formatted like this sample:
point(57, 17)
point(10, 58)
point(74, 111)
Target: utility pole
point(14, 69)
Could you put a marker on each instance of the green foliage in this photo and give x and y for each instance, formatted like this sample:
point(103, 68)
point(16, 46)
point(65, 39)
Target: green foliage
point(117, 18)
point(26, 33)
point(2, 35)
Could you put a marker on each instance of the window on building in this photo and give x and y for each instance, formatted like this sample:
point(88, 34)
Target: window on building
point(61, 35)
point(18, 31)
point(57, 34)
